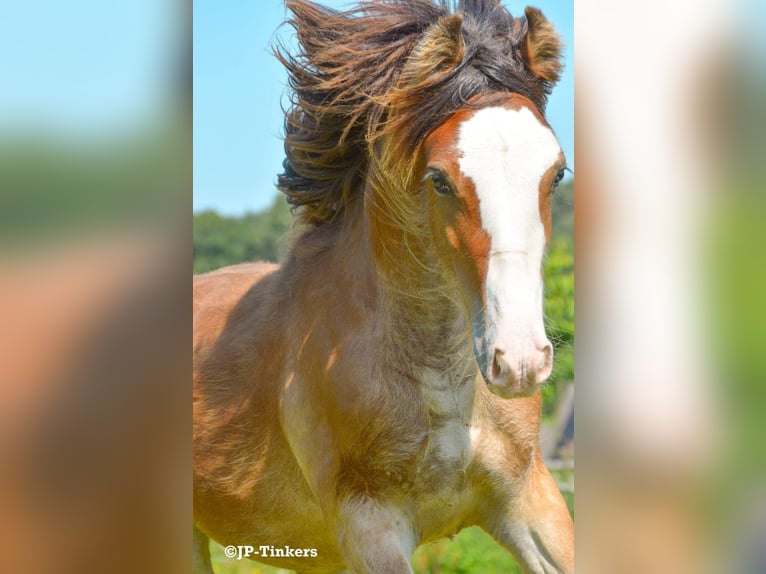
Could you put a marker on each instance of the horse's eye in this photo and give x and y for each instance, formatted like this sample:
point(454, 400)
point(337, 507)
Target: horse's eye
point(558, 178)
point(441, 183)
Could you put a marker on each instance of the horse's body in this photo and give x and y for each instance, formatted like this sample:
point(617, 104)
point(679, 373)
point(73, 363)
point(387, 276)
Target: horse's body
point(341, 406)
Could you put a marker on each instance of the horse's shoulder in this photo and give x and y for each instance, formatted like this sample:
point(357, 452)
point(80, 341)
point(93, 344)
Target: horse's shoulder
point(228, 284)
point(225, 297)
point(242, 274)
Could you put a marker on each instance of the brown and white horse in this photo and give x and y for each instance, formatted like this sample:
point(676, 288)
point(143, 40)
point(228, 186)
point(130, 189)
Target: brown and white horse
point(380, 388)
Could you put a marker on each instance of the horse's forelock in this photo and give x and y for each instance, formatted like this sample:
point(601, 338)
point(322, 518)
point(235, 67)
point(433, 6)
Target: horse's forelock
point(390, 71)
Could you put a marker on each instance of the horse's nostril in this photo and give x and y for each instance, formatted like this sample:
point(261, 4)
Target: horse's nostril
point(545, 363)
point(499, 366)
point(521, 373)
point(548, 354)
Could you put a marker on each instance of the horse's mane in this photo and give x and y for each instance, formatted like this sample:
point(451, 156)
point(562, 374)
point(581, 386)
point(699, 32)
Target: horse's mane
point(395, 68)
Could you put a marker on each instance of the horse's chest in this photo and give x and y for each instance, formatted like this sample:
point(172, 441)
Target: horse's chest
point(444, 494)
point(449, 448)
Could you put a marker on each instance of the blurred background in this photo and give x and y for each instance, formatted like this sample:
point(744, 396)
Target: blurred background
point(95, 300)
point(670, 286)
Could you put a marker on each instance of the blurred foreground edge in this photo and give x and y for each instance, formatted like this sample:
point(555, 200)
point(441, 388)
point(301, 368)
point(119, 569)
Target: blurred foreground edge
point(95, 296)
point(670, 282)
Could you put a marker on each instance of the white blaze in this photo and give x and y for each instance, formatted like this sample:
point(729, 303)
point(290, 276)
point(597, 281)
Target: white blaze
point(506, 153)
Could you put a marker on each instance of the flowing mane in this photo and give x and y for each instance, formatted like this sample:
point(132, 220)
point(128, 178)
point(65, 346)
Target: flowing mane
point(395, 69)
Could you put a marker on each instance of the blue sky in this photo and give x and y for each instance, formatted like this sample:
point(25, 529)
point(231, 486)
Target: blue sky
point(86, 68)
point(238, 87)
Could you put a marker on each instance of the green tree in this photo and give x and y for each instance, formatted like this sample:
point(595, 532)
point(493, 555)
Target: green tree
point(221, 241)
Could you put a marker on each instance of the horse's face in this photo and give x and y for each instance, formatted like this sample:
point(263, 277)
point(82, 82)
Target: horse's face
point(490, 174)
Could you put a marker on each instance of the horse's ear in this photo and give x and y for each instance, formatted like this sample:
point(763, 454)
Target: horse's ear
point(541, 47)
point(440, 50)
point(450, 35)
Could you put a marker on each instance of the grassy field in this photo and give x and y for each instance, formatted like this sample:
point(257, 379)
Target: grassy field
point(470, 552)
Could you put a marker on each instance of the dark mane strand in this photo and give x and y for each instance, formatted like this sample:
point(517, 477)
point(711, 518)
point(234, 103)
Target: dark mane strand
point(388, 69)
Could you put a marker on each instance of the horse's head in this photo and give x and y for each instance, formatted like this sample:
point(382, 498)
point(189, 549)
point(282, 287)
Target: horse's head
point(434, 119)
point(491, 171)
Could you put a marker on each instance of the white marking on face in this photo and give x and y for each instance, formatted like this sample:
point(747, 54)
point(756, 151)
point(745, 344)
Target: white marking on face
point(506, 153)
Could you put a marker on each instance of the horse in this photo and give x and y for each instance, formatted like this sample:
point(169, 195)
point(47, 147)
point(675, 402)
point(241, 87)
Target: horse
point(380, 388)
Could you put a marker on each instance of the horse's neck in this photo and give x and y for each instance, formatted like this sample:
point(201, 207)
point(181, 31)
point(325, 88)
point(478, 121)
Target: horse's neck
point(422, 323)
point(419, 325)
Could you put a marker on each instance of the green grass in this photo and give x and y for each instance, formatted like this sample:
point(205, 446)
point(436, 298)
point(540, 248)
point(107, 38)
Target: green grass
point(470, 552)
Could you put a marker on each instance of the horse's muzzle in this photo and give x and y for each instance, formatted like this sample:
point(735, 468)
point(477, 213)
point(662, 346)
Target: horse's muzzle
point(519, 375)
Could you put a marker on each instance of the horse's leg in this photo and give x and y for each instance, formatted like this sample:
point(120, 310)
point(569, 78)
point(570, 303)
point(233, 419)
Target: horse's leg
point(374, 537)
point(536, 525)
point(201, 554)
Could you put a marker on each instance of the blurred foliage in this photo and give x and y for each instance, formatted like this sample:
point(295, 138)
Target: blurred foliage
point(221, 241)
point(735, 287)
point(559, 295)
point(562, 211)
point(559, 318)
point(52, 187)
point(469, 552)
